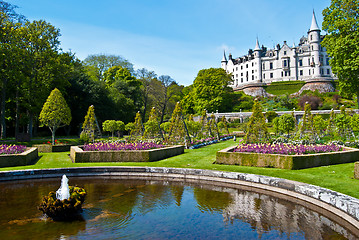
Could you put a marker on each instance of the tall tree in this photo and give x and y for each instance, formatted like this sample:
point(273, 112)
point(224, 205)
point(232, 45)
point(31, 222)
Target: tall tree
point(210, 91)
point(341, 22)
point(100, 63)
point(147, 78)
point(55, 113)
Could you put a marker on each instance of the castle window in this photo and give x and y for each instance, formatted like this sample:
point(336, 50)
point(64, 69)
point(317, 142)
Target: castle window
point(241, 67)
point(282, 74)
point(311, 37)
point(252, 64)
point(308, 61)
point(271, 75)
point(285, 73)
point(300, 62)
point(263, 66)
point(236, 75)
point(241, 80)
point(321, 71)
point(284, 63)
point(236, 68)
point(328, 71)
point(246, 65)
point(301, 72)
point(312, 48)
point(271, 65)
point(327, 61)
point(252, 77)
point(252, 71)
point(285, 52)
point(242, 74)
point(264, 76)
point(309, 71)
point(300, 50)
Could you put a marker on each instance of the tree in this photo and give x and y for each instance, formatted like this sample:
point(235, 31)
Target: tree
point(89, 125)
point(55, 113)
point(286, 123)
point(112, 126)
point(152, 125)
point(178, 129)
point(210, 91)
point(306, 125)
point(99, 63)
point(256, 128)
point(147, 79)
point(137, 130)
point(341, 22)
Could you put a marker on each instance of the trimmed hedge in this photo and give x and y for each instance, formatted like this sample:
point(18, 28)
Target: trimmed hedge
point(78, 155)
point(25, 158)
point(227, 156)
point(46, 148)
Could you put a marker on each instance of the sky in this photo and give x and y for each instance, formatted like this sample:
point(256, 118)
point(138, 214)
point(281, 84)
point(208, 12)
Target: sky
point(175, 38)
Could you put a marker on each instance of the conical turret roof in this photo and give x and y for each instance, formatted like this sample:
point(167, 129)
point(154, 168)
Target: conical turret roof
point(257, 48)
point(314, 26)
point(224, 59)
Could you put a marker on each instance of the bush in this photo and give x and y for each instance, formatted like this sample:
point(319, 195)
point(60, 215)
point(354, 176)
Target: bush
point(270, 115)
point(314, 101)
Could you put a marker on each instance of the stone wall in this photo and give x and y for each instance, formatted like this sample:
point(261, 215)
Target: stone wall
point(25, 158)
point(227, 156)
point(53, 148)
point(78, 155)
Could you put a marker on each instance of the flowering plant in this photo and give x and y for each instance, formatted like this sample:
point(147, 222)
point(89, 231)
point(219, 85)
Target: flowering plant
point(11, 149)
point(118, 146)
point(287, 149)
point(56, 142)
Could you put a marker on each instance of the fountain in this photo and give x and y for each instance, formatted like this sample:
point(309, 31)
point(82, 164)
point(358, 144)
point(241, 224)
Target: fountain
point(63, 192)
point(65, 204)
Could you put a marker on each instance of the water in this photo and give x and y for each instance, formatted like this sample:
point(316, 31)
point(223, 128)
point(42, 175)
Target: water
point(63, 192)
point(127, 209)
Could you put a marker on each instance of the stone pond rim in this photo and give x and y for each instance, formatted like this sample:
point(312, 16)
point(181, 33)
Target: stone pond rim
point(338, 204)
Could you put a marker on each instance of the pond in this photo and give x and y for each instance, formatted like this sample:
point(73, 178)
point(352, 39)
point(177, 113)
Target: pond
point(146, 209)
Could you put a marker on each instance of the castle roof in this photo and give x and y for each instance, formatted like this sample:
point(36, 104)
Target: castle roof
point(224, 59)
point(257, 48)
point(314, 26)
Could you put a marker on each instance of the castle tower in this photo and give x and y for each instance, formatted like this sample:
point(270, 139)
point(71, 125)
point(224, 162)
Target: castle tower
point(258, 61)
point(314, 42)
point(224, 61)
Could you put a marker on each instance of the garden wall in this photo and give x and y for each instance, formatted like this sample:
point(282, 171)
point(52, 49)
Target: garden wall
point(78, 155)
point(53, 148)
point(227, 156)
point(25, 158)
point(356, 170)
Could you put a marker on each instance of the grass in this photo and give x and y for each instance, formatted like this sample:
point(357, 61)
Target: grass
point(280, 88)
point(335, 177)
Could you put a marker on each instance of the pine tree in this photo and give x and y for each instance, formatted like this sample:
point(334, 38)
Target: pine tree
point(55, 113)
point(177, 128)
point(306, 129)
point(256, 128)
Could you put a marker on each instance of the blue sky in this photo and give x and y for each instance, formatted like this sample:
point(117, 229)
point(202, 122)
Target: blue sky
point(175, 38)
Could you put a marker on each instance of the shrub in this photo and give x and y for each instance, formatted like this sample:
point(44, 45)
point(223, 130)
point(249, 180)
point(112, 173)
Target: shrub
point(313, 101)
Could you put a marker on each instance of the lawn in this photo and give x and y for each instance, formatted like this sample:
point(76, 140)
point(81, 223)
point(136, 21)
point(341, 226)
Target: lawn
point(335, 177)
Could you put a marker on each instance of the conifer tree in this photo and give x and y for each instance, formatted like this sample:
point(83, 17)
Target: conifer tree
point(213, 127)
point(137, 131)
point(256, 128)
point(152, 125)
point(306, 128)
point(55, 113)
point(331, 123)
point(89, 125)
point(178, 129)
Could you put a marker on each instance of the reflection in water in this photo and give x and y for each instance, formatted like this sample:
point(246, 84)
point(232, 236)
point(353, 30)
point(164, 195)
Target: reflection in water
point(161, 210)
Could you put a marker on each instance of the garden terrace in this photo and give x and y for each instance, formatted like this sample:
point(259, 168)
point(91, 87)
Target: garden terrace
point(26, 157)
point(228, 156)
point(78, 154)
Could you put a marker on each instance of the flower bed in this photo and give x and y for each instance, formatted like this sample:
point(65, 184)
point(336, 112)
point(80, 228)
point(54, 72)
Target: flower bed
point(11, 149)
point(287, 149)
point(118, 146)
point(26, 157)
point(285, 161)
point(208, 141)
point(78, 154)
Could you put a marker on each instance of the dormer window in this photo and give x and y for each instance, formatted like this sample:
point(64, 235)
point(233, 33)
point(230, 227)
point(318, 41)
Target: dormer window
point(285, 52)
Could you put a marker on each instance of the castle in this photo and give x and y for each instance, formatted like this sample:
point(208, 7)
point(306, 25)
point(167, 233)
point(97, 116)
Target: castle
point(307, 62)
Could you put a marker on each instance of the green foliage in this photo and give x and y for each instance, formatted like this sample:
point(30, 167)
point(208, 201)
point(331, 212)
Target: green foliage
point(343, 123)
point(276, 125)
point(89, 125)
point(129, 127)
point(210, 91)
point(152, 125)
point(223, 126)
point(55, 113)
point(306, 125)
point(286, 123)
point(212, 126)
point(354, 123)
point(63, 210)
point(166, 126)
point(256, 128)
point(320, 125)
point(341, 22)
point(112, 126)
point(177, 126)
point(137, 131)
point(270, 115)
